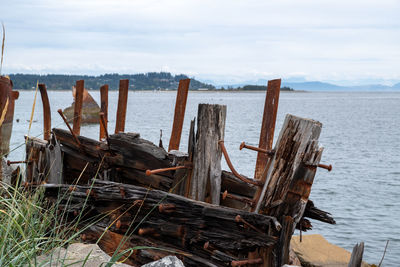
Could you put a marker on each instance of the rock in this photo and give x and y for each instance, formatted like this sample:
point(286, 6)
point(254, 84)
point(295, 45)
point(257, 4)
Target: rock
point(90, 109)
point(315, 250)
point(75, 256)
point(169, 261)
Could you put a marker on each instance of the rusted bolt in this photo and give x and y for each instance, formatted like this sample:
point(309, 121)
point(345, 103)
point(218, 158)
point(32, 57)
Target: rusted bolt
point(245, 262)
point(239, 218)
point(71, 188)
point(245, 200)
point(83, 237)
point(146, 231)
point(122, 192)
point(326, 167)
point(17, 162)
point(118, 224)
point(166, 208)
point(268, 152)
point(75, 213)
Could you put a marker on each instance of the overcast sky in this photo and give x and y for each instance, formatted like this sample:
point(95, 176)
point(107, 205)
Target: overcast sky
point(342, 41)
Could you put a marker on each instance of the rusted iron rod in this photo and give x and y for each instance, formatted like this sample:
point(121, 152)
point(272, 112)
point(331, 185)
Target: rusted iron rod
point(179, 116)
point(122, 103)
point(69, 127)
point(238, 218)
point(150, 172)
point(17, 162)
point(46, 112)
point(246, 262)
point(104, 110)
point(268, 125)
point(228, 161)
point(268, 152)
point(241, 199)
point(80, 87)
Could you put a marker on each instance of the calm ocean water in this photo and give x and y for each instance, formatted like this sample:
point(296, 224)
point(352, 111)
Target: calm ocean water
point(361, 136)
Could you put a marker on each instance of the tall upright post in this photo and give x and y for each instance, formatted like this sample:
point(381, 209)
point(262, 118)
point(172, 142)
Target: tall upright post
point(80, 85)
point(180, 107)
point(268, 125)
point(104, 110)
point(46, 112)
point(122, 103)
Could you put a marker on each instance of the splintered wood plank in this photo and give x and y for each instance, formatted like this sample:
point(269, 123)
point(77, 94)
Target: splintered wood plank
point(46, 112)
point(180, 107)
point(122, 103)
point(80, 86)
point(104, 110)
point(206, 179)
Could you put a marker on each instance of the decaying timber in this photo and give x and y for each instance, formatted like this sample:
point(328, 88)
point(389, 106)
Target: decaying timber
point(163, 199)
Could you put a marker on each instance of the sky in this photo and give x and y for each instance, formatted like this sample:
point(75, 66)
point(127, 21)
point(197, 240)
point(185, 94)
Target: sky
point(225, 42)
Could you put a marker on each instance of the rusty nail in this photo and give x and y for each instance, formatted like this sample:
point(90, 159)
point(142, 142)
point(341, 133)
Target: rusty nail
point(246, 200)
point(69, 127)
point(118, 224)
point(122, 192)
point(245, 262)
point(150, 172)
point(138, 202)
point(146, 231)
point(324, 166)
point(83, 237)
point(166, 208)
point(17, 162)
point(75, 213)
point(91, 192)
point(239, 218)
point(71, 188)
point(265, 151)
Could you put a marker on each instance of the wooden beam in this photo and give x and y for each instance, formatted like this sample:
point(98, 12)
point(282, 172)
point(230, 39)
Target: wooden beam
point(180, 107)
point(80, 87)
point(268, 125)
point(122, 103)
point(46, 112)
point(104, 110)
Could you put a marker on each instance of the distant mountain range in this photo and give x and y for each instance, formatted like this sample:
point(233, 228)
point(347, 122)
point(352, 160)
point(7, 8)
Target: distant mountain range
point(168, 81)
point(322, 86)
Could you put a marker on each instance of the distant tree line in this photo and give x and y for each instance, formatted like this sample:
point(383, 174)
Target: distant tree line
point(140, 81)
point(255, 88)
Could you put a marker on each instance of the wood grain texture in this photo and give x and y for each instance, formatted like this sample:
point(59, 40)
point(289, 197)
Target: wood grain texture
point(206, 179)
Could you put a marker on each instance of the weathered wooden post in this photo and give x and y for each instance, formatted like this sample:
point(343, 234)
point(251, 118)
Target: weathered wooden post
point(179, 116)
point(46, 112)
point(80, 86)
point(206, 179)
point(122, 103)
point(104, 110)
point(289, 178)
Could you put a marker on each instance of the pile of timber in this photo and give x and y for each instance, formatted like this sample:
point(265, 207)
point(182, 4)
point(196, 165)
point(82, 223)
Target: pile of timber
point(183, 203)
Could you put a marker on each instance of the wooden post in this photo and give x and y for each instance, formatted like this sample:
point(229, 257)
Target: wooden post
point(290, 174)
point(180, 107)
point(268, 125)
point(80, 86)
point(46, 112)
point(357, 255)
point(121, 109)
point(104, 110)
point(206, 179)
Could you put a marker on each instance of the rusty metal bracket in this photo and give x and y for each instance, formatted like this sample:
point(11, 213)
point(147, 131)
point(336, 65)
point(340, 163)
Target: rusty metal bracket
point(228, 161)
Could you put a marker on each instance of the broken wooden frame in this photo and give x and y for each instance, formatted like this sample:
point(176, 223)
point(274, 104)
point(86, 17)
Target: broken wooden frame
point(281, 191)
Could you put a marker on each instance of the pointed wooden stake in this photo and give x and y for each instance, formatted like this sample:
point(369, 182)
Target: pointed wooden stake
point(104, 110)
point(46, 112)
point(80, 85)
point(122, 103)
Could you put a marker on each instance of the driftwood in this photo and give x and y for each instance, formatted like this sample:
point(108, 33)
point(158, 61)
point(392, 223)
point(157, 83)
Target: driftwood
point(184, 223)
point(206, 179)
point(357, 255)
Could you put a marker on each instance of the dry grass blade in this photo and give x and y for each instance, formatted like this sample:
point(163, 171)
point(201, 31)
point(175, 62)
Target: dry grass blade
point(33, 108)
point(3, 113)
point(2, 46)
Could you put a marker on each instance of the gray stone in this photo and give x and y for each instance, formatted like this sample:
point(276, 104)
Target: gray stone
point(75, 256)
point(169, 261)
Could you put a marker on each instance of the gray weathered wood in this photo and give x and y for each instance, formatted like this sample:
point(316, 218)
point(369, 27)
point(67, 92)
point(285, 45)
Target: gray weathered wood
point(206, 179)
point(357, 255)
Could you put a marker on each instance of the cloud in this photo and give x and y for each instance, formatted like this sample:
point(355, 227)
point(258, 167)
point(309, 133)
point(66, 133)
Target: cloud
point(326, 40)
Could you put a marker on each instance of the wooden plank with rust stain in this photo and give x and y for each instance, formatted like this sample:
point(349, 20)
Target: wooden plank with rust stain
point(104, 110)
point(80, 86)
point(122, 104)
point(179, 116)
point(268, 125)
point(46, 112)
